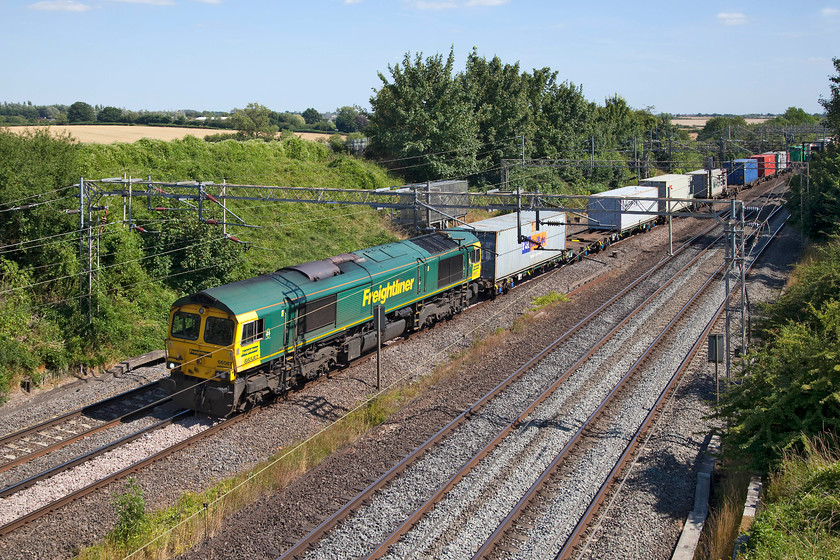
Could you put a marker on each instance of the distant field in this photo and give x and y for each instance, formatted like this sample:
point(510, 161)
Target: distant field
point(701, 121)
point(105, 134)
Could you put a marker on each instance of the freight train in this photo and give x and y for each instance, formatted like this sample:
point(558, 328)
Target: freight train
point(232, 346)
point(229, 347)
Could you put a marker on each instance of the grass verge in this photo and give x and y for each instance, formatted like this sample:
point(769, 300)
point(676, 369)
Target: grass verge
point(723, 523)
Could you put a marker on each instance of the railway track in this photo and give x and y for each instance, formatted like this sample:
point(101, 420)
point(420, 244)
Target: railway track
point(34, 510)
point(98, 484)
point(549, 486)
point(322, 541)
point(51, 435)
point(583, 331)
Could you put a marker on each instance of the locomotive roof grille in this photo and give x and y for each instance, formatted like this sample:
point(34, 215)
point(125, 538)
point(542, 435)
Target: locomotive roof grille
point(434, 243)
point(326, 268)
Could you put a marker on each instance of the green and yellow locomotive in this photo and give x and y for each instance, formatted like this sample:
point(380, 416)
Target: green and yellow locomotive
point(231, 346)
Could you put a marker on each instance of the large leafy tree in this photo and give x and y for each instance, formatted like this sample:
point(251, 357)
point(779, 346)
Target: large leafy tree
point(311, 116)
point(346, 117)
point(563, 120)
point(717, 126)
point(498, 94)
point(790, 388)
point(422, 120)
point(819, 200)
point(254, 121)
point(832, 104)
point(794, 116)
point(80, 112)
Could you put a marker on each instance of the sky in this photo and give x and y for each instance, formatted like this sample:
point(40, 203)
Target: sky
point(679, 57)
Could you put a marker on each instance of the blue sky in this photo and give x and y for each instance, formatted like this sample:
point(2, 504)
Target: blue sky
point(737, 56)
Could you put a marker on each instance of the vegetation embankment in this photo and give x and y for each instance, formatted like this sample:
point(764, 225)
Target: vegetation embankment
point(783, 411)
point(43, 278)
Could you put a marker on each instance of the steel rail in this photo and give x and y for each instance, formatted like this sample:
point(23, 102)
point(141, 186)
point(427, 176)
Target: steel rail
point(507, 523)
point(329, 523)
point(406, 525)
point(632, 446)
point(49, 473)
point(81, 435)
point(50, 422)
point(69, 498)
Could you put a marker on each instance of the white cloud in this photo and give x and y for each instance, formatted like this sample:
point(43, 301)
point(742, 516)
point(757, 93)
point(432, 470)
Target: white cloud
point(732, 18)
point(423, 5)
point(487, 2)
point(59, 6)
point(352, 1)
point(209, 1)
point(829, 12)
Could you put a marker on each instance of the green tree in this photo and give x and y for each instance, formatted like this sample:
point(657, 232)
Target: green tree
point(254, 121)
point(345, 119)
point(790, 389)
point(80, 112)
point(498, 94)
point(422, 120)
point(563, 121)
point(290, 120)
point(110, 114)
point(832, 104)
point(311, 116)
point(717, 126)
point(794, 116)
point(821, 202)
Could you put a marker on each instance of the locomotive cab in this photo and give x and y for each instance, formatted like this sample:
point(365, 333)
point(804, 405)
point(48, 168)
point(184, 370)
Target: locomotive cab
point(200, 352)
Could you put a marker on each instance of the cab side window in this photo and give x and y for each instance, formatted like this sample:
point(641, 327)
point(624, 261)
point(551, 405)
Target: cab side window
point(253, 331)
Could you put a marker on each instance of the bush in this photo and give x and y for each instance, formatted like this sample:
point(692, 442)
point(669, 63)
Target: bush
point(131, 512)
point(789, 387)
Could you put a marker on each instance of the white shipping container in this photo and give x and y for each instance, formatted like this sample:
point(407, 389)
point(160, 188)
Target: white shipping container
point(700, 183)
point(781, 161)
point(505, 256)
point(670, 186)
point(607, 210)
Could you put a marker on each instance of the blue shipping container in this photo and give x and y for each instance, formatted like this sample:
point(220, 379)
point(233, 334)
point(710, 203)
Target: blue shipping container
point(741, 171)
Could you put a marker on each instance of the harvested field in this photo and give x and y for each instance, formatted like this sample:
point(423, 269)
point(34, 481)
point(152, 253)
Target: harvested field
point(108, 134)
point(701, 121)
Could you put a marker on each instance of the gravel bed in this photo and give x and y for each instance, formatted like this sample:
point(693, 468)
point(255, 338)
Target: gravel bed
point(69, 452)
point(586, 473)
point(268, 526)
point(645, 518)
point(23, 410)
point(67, 482)
point(469, 514)
point(576, 398)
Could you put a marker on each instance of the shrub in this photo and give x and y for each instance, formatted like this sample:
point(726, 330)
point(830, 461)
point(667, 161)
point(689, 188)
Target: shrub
point(131, 512)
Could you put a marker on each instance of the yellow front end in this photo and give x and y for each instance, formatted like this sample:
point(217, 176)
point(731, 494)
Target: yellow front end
point(201, 342)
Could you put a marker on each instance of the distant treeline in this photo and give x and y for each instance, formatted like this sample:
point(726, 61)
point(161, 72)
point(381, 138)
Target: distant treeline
point(345, 119)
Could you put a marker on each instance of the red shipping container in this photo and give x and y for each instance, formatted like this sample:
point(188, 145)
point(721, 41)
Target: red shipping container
point(766, 164)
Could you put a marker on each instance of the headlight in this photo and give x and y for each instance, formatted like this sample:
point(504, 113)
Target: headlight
point(172, 365)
